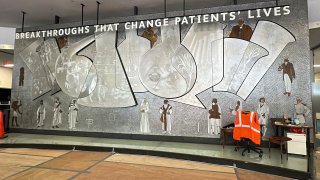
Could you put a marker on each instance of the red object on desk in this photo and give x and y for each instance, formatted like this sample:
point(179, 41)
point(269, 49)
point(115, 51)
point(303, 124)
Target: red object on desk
point(296, 130)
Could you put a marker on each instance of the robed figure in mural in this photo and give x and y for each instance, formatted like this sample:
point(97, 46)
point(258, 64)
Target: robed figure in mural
point(57, 111)
point(214, 118)
point(144, 121)
point(16, 109)
point(263, 112)
point(72, 114)
point(301, 111)
point(41, 114)
point(165, 118)
point(288, 75)
point(241, 31)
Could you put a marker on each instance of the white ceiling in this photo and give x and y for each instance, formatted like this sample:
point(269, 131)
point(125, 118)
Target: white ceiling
point(42, 12)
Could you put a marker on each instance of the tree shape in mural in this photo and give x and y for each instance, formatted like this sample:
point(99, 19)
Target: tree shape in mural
point(29, 55)
point(106, 92)
point(76, 75)
point(237, 65)
point(131, 51)
point(168, 69)
point(274, 38)
point(208, 57)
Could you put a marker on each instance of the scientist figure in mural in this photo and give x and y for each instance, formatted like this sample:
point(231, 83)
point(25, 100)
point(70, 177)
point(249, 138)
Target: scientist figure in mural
point(301, 111)
point(41, 114)
point(238, 107)
point(16, 109)
point(214, 118)
point(263, 112)
point(144, 122)
point(165, 118)
point(57, 111)
point(72, 114)
point(241, 31)
point(288, 75)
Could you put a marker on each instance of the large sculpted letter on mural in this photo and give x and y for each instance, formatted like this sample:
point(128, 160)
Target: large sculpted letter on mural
point(274, 39)
point(205, 42)
point(76, 74)
point(131, 51)
point(106, 92)
point(168, 69)
point(30, 56)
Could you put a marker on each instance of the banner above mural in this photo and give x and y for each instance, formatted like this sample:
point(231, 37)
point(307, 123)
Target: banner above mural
point(202, 18)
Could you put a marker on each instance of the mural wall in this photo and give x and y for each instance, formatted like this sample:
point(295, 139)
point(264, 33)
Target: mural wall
point(177, 80)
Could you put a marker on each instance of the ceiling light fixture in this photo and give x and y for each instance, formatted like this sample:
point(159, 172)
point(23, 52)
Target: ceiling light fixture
point(316, 65)
point(8, 65)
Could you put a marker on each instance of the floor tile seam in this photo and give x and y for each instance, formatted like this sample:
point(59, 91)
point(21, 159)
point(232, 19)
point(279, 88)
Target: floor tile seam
point(35, 166)
point(58, 169)
point(27, 154)
point(86, 170)
point(171, 167)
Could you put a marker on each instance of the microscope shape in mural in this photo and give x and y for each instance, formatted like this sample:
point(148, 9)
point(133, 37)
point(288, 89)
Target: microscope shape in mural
point(252, 54)
point(274, 38)
point(107, 93)
point(237, 65)
point(168, 69)
point(76, 75)
point(30, 56)
point(205, 43)
point(131, 51)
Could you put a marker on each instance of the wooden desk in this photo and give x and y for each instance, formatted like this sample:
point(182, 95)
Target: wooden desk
point(280, 124)
point(223, 133)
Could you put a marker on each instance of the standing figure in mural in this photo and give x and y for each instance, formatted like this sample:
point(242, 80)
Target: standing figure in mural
point(237, 108)
point(165, 118)
point(21, 76)
point(288, 75)
point(151, 34)
point(144, 122)
point(214, 118)
point(263, 112)
point(301, 111)
point(241, 31)
point(72, 114)
point(16, 109)
point(57, 111)
point(41, 114)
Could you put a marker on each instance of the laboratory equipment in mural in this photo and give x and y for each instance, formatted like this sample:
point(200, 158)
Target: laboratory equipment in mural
point(72, 70)
point(29, 55)
point(131, 51)
point(107, 92)
point(274, 38)
point(168, 69)
point(208, 56)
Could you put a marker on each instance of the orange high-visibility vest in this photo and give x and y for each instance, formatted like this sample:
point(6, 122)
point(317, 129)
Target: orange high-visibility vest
point(247, 125)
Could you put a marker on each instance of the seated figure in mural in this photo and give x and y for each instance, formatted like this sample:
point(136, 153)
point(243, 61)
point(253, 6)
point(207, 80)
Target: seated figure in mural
point(41, 114)
point(301, 111)
point(165, 118)
point(16, 109)
point(288, 75)
point(214, 118)
point(263, 112)
point(144, 121)
point(241, 31)
point(72, 114)
point(57, 111)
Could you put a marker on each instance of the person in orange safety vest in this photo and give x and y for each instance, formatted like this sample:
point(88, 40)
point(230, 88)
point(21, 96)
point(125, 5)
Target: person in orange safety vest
point(247, 125)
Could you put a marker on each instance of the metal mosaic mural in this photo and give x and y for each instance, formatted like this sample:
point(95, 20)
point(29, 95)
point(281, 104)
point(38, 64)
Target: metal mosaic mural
point(116, 81)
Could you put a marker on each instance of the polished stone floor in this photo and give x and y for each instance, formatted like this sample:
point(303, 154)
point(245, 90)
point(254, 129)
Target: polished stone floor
point(38, 164)
point(294, 162)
